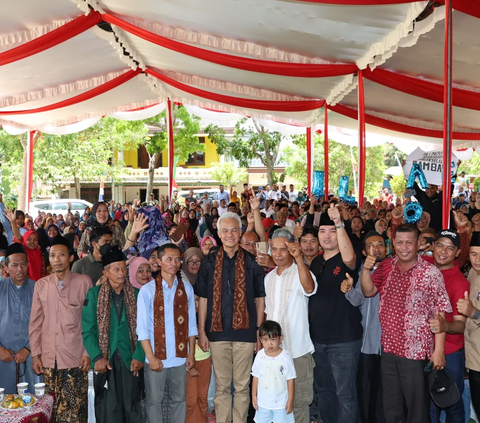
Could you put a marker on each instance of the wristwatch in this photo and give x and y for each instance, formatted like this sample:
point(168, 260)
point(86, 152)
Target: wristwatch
point(342, 225)
point(476, 315)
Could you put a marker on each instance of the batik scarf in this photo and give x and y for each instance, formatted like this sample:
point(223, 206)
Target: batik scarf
point(180, 319)
point(240, 315)
point(104, 309)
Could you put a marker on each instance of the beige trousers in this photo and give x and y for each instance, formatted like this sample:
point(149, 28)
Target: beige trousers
point(303, 387)
point(232, 361)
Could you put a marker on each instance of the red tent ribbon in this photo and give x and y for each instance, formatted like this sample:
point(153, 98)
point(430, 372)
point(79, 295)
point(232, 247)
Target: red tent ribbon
point(469, 7)
point(51, 39)
point(304, 70)
point(101, 89)
point(279, 106)
point(401, 127)
point(421, 88)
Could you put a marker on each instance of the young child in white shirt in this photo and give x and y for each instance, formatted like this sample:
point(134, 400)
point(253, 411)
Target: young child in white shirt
point(273, 371)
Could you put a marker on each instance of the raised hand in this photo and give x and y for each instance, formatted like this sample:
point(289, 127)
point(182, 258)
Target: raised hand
point(370, 261)
point(334, 214)
point(346, 284)
point(294, 250)
point(254, 203)
point(139, 223)
point(460, 219)
point(397, 212)
point(297, 231)
point(465, 306)
point(10, 215)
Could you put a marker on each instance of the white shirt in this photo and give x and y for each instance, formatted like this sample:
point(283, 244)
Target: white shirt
point(221, 210)
point(292, 196)
point(289, 225)
point(268, 213)
point(274, 195)
point(272, 374)
point(287, 303)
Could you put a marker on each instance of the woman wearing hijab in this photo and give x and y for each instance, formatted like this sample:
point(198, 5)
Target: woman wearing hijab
point(207, 243)
point(100, 217)
point(212, 229)
point(191, 264)
point(52, 232)
point(139, 272)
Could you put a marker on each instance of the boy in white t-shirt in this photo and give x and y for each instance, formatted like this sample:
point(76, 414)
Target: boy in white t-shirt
point(273, 371)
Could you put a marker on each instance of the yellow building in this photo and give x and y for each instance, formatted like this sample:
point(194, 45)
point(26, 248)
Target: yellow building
point(192, 174)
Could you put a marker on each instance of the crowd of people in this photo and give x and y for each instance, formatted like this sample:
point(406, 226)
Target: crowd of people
point(290, 308)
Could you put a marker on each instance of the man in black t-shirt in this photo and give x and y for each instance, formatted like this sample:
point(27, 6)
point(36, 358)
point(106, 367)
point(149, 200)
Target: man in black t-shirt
point(335, 325)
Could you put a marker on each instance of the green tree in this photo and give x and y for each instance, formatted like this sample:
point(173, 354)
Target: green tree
point(228, 174)
point(340, 163)
point(249, 142)
point(398, 185)
point(13, 156)
point(88, 154)
point(186, 142)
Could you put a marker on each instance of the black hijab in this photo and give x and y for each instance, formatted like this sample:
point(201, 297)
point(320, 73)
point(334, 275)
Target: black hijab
point(92, 221)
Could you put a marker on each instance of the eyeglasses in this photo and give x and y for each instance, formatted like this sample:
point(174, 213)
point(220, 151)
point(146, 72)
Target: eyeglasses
point(194, 262)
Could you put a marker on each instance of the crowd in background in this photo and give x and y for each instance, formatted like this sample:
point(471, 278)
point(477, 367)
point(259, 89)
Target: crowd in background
point(287, 306)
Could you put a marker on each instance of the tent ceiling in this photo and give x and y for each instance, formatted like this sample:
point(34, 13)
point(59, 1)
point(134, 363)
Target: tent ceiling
point(273, 30)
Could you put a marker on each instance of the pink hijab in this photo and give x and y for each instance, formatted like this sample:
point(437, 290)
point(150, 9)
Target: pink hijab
point(132, 270)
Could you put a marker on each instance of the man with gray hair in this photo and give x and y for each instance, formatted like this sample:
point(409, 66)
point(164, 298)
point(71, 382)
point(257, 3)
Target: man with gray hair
point(230, 285)
point(288, 288)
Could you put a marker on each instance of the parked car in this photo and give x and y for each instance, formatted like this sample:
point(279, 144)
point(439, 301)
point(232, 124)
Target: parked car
point(212, 194)
point(59, 206)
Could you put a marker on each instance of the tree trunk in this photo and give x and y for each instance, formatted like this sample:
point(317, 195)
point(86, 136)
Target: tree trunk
point(151, 173)
point(270, 172)
point(76, 180)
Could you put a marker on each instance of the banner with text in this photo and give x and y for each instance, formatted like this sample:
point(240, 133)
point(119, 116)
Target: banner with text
point(431, 163)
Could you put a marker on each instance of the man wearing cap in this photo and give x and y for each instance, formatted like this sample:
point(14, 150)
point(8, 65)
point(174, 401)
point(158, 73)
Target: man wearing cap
point(412, 291)
point(109, 322)
point(461, 201)
point(446, 249)
point(56, 335)
point(223, 195)
point(16, 293)
point(261, 196)
point(284, 195)
point(469, 306)
point(167, 329)
point(335, 325)
point(369, 377)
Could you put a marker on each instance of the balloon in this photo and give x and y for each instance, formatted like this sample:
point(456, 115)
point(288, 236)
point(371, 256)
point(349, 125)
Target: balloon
point(318, 183)
point(417, 172)
point(343, 187)
point(413, 212)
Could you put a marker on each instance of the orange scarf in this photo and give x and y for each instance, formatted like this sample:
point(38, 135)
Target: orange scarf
point(180, 318)
point(240, 315)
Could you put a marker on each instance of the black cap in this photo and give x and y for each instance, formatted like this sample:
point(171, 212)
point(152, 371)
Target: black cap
point(325, 220)
point(15, 248)
point(113, 256)
point(60, 240)
point(475, 241)
point(451, 235)
point(443, 389)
